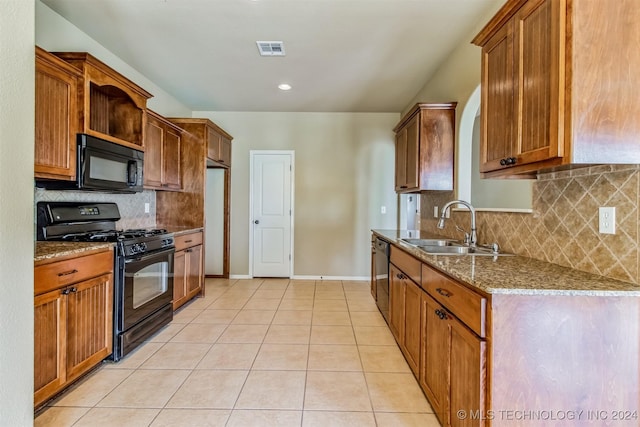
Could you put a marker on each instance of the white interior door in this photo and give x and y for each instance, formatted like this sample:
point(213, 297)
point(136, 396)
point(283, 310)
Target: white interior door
point(271, 192)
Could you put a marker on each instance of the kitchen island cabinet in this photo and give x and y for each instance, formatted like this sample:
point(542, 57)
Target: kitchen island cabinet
point(556, 93)
point(497, 327)
point(73, 315)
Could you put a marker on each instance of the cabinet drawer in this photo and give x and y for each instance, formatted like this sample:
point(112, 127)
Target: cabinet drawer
point(62, 273)
point(407, 263)
point(187, 240)
point(462, 302)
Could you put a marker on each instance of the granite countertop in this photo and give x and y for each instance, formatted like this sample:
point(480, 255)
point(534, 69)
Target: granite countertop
point(513, 274)
point(52, 250)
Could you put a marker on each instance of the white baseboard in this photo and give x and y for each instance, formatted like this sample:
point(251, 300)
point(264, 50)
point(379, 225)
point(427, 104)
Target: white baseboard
point(345, 278)
point(303, 277)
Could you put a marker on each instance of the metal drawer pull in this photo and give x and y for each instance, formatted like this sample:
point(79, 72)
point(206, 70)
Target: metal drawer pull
point(444, 292)
point(188, 241)
point(67, 273)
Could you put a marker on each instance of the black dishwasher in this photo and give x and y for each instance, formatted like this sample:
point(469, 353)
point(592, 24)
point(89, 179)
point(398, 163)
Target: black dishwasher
point(380, 250)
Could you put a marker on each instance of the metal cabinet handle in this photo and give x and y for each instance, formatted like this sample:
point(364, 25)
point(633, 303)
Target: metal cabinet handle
point(441, 314)
point(67, 273)
point(444, 292)
point(188, 241)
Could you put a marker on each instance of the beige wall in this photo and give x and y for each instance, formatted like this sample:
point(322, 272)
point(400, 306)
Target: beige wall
point(344, 166)
point(16, 211)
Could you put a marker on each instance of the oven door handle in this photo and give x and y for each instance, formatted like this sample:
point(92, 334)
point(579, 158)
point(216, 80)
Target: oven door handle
point(149, 256)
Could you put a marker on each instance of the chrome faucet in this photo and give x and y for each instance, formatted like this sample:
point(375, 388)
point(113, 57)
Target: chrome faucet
point(473, 236)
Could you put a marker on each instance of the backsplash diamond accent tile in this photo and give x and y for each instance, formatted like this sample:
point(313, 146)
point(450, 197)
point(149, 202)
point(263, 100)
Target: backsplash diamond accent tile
point(131, 206)
point(563, 228)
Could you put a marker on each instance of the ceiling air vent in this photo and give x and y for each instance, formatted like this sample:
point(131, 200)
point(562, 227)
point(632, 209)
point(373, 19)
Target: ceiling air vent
point(270, 48)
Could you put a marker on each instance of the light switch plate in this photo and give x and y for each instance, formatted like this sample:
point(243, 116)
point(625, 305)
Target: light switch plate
point(383, 210)
point(435, 212)
point(147, 207)
point(607, 220)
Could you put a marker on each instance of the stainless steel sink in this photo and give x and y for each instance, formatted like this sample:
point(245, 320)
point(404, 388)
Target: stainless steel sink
point(430, 242)
point(458, 249)
point(451, 247)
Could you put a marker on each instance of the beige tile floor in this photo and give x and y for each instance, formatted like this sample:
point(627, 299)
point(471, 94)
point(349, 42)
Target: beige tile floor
point(268, 352)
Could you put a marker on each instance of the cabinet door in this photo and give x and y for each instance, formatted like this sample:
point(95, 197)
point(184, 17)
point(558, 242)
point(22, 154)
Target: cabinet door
point(413, 153)
point(434, 363)
point(194, 270)
point(536, 52)
point(153, 145)
point(213, 144)
point(179, 278)
point(171, 176)
point(225, 151)
point(467, 376)
point(90, 324)
point(498, 128)
point(401, 160)
point(396, 303)
point(56, 119)
point(50, 330)
point(412, 324)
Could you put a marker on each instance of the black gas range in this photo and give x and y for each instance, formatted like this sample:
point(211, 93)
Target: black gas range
point(143, 269)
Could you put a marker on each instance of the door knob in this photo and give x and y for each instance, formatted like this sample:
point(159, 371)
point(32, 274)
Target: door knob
point(256, 221)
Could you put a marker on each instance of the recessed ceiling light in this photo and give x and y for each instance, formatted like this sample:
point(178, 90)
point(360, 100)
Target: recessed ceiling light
point(284, 86)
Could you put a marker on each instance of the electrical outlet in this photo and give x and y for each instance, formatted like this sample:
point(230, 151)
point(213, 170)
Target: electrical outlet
point(607, 220)
point(435, 212)
point(147, 207)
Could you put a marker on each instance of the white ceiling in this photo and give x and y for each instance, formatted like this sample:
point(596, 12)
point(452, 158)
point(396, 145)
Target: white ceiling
point(341, 55)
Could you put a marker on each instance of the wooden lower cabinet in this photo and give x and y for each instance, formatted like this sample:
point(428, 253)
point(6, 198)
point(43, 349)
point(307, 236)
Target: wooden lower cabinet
point(447, 355)
point(453, 367)
point(404, 316)
point(73, 323)
point(188, 269)
point(467, 376)
point(396, 302)
point(434, 368)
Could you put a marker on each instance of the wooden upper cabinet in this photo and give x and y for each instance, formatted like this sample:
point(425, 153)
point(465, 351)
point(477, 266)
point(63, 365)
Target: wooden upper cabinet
point(162, 157)
point(56, 112)
point(217, 141)
point(111, 106)
point(498, 100)
point(425, 148)
point(556, 93)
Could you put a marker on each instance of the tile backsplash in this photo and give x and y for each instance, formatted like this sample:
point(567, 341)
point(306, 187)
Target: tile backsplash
point(563, 228)
point(131, 206)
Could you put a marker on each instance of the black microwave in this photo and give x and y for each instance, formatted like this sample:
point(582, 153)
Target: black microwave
point(103, 166)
